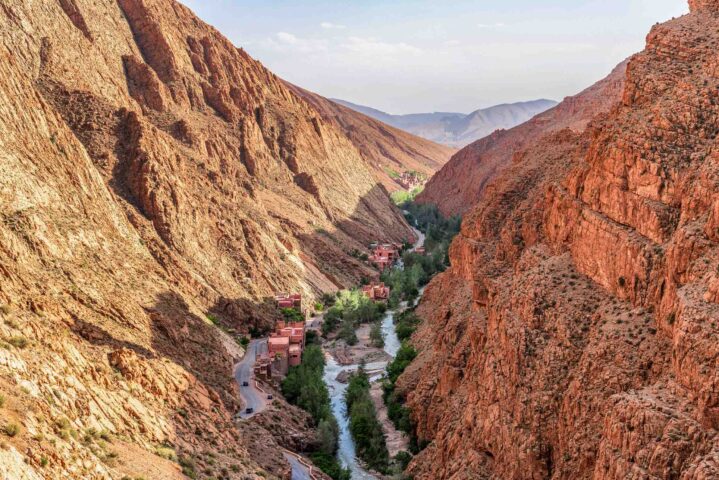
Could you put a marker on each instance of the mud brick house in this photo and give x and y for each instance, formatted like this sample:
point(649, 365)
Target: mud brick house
point(384, 255)
point(376, 291)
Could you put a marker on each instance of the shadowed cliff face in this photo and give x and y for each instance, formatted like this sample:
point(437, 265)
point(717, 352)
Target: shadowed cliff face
point(575, 334)
point(150, 172)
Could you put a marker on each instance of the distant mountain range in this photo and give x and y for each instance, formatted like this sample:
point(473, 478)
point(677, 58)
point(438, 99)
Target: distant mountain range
point(458, 129)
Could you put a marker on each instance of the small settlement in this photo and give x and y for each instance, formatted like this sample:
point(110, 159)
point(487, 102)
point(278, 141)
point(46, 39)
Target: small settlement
point(384, 255)
point(286, 344)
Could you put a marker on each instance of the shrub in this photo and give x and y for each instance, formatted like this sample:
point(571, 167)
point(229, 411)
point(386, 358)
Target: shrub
point(375, 335)
point(244, 341)
point(18, 342)
point(2, 400)
point(11, 429)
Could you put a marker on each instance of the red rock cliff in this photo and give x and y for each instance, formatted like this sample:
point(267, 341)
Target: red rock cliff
point(578, 339)
point(152, 173)
point(461, 182)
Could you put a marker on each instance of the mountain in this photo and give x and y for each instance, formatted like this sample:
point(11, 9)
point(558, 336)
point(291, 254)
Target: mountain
point(461, 182)
point(574, 335)
point(389, 151)
point(458, 129)
point(158, 187)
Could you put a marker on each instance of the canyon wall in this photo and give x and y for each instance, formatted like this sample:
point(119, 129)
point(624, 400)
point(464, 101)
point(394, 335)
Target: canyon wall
point(153, 176)
point(388, 150)
point(461, 182)
point(574, 336)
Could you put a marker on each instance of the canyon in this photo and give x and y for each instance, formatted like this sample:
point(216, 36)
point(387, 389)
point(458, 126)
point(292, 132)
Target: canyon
point(158, 186)
point(574, 335)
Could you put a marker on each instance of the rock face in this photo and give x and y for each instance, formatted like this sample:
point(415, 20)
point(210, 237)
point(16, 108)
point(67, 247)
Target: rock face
point(574, 336)
point(151, 174)
point(383, 147)
point(460, 183)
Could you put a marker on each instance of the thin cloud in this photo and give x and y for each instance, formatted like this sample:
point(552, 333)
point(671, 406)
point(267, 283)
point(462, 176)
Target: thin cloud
point(372, 46)
point(452, 43)
point(287, 42)
point(491, 25)
point(332, 26)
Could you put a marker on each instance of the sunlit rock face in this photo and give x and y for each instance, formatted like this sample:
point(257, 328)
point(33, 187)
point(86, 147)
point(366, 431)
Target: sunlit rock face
point(151, 173)
point(574, 335)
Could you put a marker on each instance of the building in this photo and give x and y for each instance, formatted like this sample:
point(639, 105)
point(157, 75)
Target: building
point(286, 345)
point(289, 300)
point(384, 255)
point(376, 291)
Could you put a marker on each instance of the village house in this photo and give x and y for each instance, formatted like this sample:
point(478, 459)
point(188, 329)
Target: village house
point(286, 345)
point(287, 300)
point(376, 291)
point(384, 255)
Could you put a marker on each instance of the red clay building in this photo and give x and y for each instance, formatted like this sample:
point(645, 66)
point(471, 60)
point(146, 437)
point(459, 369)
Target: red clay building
point(286, 345)
point(376, 291)
point(384, 255)
point(287, 300)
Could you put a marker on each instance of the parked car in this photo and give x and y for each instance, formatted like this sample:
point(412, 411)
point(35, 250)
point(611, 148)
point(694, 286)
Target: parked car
point(245, 383)
point(249, 410)
point(269, 396)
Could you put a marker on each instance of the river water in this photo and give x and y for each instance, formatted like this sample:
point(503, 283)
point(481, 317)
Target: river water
point(346, 450)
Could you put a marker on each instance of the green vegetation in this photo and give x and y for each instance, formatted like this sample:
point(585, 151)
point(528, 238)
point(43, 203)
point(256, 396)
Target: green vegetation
point(402, 197)
point(418, 269)
point(305, 388)
point(2, 400)
point(364, 426)
point(351, 309)
point(292, 314)
point(11, 429)
point(405, 324)
point(244, 341)
point(396, 411)
point(18, 342)
point(375, 335)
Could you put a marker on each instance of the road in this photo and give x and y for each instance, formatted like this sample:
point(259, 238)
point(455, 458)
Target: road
point(252, 397)
point(299, 470)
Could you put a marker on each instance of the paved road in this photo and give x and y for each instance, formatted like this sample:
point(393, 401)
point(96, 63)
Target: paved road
point(299, 470)
point(251, 396)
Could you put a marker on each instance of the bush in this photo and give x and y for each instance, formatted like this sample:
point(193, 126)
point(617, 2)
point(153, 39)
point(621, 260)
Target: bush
point(18, 342)
point(403, 458)
point(375, 335)
point(244, 341)
point(292, 314)
point(11, 429)
point(330, 465)
point(2, 400)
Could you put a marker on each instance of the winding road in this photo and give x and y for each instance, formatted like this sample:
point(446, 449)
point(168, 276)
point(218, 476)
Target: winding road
point(252, 396)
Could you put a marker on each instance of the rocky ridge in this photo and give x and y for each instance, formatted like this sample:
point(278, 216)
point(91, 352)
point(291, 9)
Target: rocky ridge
point(386, 149)
point(154, 177)
point(460, 183)
point(574, 334)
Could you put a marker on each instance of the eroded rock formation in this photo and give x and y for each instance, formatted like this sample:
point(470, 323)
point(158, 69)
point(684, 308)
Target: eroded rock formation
point(152, 173)
point(574, 336)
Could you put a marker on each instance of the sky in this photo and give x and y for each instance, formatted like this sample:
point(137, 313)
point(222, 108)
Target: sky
point(411, 56)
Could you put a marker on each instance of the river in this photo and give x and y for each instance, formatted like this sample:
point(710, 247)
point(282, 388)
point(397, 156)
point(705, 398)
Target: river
point(346, 448)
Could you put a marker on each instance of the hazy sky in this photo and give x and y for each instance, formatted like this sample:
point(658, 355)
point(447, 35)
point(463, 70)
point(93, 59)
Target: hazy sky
point(405, 56)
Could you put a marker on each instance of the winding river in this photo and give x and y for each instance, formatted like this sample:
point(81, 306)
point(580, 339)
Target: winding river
point(346, 450)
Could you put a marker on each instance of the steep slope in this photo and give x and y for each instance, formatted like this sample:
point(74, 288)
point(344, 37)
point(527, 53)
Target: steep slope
point(152, 173)
point(460, 183)
point(574, 336)
point(458, 129)
point(386, 149)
